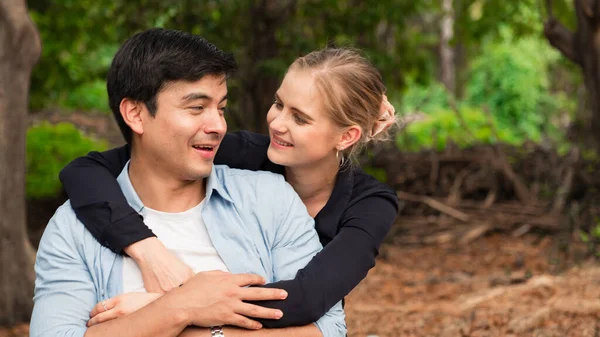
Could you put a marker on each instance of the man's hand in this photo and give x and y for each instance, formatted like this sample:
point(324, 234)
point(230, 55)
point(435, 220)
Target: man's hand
point(119, 306)
point(161, 270)
point(217, 298)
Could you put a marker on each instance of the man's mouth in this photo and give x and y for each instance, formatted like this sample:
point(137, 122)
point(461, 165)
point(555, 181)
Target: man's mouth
point(206, 151)
point(203, 147)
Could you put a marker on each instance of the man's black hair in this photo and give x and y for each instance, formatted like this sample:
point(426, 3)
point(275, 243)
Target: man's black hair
point(149, 60)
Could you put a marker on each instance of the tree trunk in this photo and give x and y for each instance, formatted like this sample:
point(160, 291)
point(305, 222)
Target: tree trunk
point(448, 74)
point(461, 63)
point(19, 51)
point(583, 48)
point(259, 83)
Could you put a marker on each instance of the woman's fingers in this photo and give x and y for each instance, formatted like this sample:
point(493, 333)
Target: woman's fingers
point(102, 306)
point(161, 269)
point(103, 317)
point(251, 310)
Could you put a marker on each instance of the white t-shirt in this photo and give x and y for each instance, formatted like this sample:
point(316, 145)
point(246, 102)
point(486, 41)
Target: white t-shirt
point(185, 235)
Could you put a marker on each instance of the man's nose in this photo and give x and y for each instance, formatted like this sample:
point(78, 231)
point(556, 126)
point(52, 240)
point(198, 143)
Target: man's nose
point(215, 123)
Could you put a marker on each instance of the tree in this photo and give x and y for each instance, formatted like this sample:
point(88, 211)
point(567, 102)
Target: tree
point(582, 47)
point(259, 84)
point(19, 51)
point(446, 50)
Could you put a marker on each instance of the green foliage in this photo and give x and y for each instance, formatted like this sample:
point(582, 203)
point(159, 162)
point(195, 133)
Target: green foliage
point(511, 79)
point(506, 58)
point(464, 127)
point(88, 96)
point(481, 19)
point(424, 98)
point(49, 149)
point(508, 99)
point(79, 39)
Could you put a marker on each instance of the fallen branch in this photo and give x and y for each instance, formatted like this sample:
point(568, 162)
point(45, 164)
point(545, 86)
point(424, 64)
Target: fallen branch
point(437, 205)
point(475, 233)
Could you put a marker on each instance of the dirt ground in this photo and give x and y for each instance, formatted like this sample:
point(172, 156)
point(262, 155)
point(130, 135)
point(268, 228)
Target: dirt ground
point(495, 286)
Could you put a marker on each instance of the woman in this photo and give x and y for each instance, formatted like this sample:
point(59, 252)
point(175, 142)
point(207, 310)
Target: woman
point(330, 104)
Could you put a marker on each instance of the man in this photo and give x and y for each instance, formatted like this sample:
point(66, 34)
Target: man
point(168, 92)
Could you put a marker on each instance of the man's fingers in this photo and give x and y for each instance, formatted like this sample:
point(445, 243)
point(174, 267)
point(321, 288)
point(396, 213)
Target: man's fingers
point(102, 317)
point(248, 279)
point(262, 294)
point(99, 307)
point(251, 310)
point(243, 322)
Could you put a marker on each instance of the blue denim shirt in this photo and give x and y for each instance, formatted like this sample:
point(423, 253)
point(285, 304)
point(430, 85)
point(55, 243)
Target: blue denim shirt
point(256, 221)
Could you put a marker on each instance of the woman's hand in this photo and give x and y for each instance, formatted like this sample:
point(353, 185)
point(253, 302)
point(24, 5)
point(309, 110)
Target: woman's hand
point(120, 306)
point(161, 270)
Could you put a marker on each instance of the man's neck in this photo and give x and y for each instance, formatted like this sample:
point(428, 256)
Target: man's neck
point(163, 192)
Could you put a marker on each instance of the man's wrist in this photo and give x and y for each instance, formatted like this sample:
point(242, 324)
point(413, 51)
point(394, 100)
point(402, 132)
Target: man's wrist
point(176, 307)
point(217, 331)
point(193, 331)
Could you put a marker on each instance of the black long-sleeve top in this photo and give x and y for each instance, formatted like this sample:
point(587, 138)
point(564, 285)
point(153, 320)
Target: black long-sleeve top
point(351, 226)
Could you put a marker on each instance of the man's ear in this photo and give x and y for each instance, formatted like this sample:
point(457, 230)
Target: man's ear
point(349, 137)
point(131, 111)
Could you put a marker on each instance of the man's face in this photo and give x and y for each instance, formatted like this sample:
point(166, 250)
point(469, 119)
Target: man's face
point(181, 140)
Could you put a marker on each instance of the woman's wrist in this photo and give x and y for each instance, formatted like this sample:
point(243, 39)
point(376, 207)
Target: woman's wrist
point(139, 251)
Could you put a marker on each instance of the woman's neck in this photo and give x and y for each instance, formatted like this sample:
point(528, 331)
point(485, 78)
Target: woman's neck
point(314, 184)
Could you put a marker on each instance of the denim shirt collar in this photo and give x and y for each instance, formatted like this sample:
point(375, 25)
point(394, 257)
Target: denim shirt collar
point(213, 184)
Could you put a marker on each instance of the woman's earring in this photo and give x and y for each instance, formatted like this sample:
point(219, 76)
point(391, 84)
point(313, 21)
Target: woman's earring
point(337, 156)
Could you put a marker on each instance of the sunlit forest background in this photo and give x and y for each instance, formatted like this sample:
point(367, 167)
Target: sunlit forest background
point(496, 160)
point(489, 77)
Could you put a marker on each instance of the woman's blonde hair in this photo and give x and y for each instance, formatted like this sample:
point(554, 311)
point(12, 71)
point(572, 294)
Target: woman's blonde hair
point(352, 90)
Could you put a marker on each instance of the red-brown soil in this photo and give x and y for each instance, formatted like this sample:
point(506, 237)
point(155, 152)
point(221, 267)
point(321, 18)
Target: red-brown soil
point(495, 286)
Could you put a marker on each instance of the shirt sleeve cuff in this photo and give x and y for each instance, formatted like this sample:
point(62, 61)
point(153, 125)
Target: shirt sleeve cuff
point(125, 232)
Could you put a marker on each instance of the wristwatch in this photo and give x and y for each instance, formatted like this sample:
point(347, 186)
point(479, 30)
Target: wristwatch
point(216, 331)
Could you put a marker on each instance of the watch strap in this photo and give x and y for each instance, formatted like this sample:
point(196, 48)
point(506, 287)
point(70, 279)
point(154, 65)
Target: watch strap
point(216, 331)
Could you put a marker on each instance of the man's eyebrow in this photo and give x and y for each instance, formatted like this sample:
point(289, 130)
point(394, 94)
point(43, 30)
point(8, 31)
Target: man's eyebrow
point(304, 114)
point(193, 96)
point(198, 96)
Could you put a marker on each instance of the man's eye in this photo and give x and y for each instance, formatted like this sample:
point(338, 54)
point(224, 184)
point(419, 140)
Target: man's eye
point(223, 109)
point(197, 108)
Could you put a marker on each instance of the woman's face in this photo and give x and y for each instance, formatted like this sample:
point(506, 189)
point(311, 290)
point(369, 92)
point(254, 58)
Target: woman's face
point(301, 133)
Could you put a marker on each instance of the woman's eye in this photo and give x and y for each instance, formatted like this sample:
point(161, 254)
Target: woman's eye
point(299, 119)
point(223, 109)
